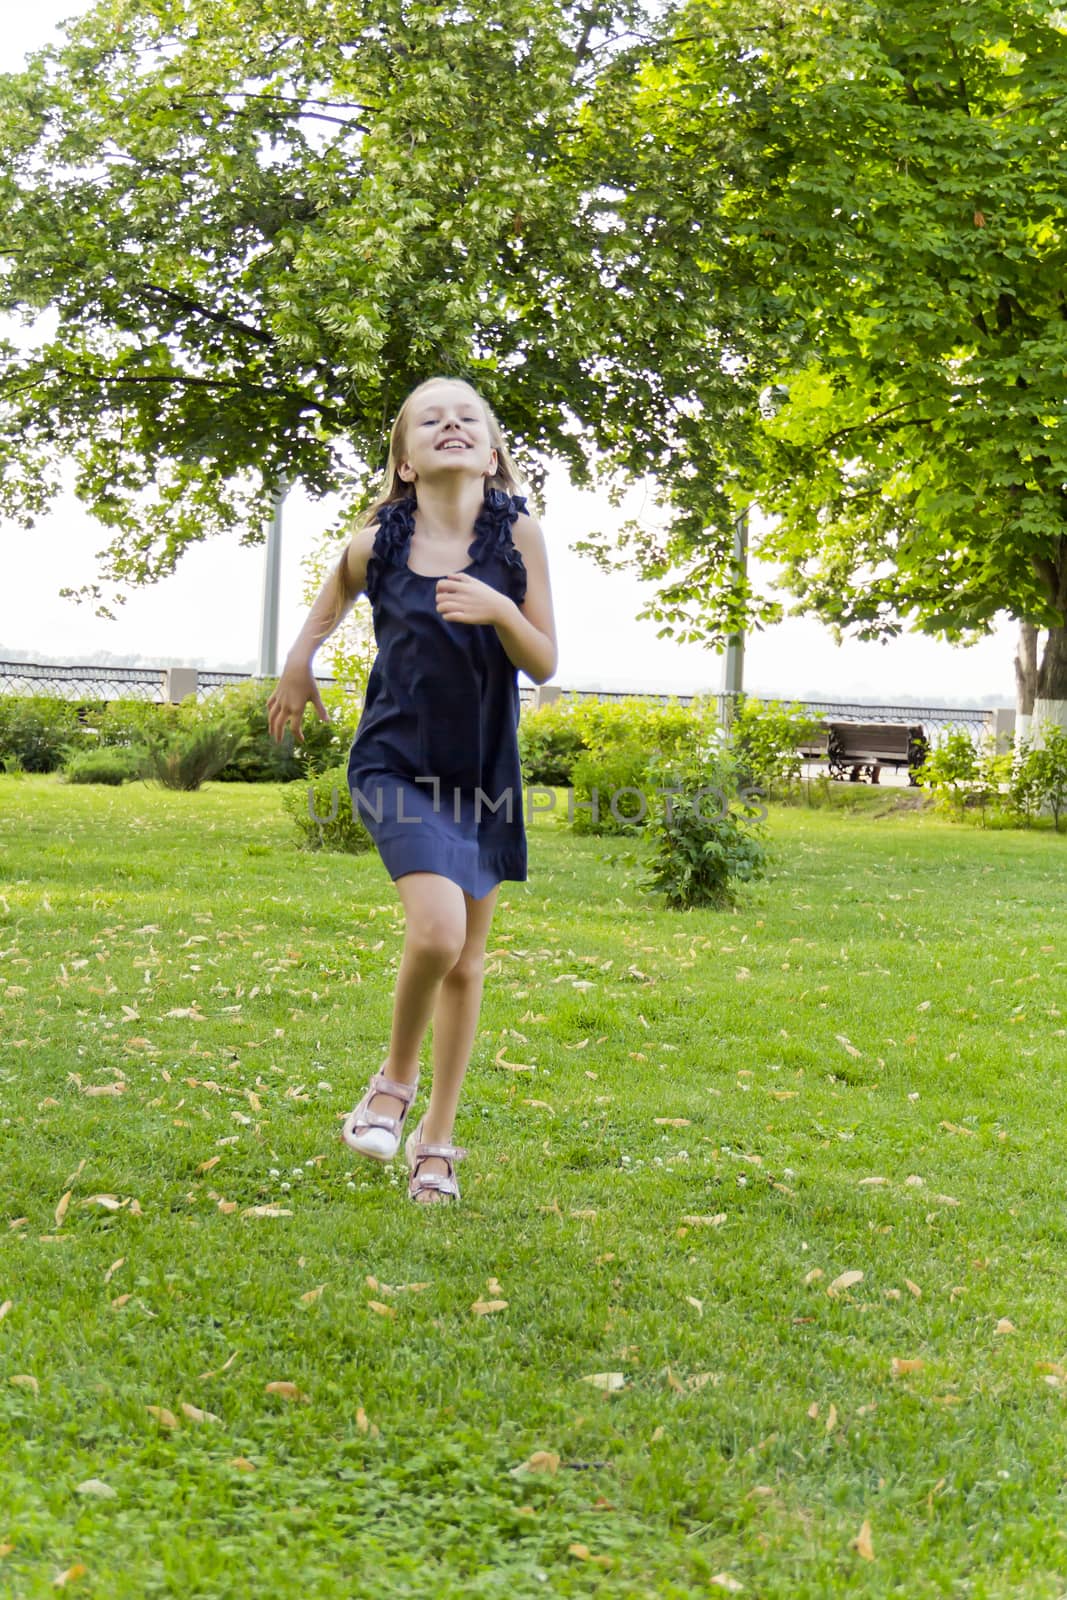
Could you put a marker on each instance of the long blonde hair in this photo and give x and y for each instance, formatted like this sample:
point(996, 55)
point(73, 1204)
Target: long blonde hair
point(506, 477)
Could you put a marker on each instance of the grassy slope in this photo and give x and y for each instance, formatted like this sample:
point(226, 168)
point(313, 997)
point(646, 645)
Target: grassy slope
point(884, 1007)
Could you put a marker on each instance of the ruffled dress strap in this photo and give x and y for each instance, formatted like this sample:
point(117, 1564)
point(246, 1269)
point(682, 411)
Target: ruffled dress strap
point(396, 524)
point(493, 537)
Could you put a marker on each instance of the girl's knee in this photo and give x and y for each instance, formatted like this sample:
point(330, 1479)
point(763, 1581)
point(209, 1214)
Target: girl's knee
point(436, 940)
point(468, 967)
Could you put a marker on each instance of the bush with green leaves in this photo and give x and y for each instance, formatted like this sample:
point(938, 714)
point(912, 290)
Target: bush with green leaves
point(707, 836)
point(666, 729)
point(39, 731)
point(334, 824)
point(107, 764)
point(764, 736)
point(1039, 775)
point(598, 779)
point(197, 749)
point(262, 759)
point(124, 723)
point(950, 771)
point(549, 742)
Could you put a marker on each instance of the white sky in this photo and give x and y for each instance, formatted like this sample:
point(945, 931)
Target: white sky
point(209, 611)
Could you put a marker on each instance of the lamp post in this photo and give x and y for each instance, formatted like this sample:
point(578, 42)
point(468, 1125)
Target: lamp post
point(734, 663)
point(268, 628)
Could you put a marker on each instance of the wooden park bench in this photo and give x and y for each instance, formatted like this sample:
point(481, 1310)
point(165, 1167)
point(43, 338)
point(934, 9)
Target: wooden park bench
point(861, 749)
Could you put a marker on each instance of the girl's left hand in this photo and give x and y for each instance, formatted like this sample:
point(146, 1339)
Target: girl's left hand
point(463, 598)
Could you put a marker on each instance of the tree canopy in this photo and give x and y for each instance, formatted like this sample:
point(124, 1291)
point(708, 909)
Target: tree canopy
point(894, 223)
point(240, 233)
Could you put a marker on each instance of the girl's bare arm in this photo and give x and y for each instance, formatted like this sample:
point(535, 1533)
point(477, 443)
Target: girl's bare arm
point(528, 632)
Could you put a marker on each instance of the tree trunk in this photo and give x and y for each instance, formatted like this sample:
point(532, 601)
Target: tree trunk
point(1025, 679)
point(1050, 701)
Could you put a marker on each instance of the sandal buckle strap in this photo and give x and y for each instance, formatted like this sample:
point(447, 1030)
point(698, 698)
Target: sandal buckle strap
point(380, 1084)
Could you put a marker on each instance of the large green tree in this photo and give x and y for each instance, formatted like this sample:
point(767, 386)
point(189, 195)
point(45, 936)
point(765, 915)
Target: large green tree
point(240, 230)
point(893, 230)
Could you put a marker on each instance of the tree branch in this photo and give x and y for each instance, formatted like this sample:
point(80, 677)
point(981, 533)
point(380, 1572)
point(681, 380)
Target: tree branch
point(187, 380)
point(218, 317)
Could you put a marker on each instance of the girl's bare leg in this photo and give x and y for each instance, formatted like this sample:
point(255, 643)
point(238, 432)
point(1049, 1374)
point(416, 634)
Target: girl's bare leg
point(441, 974)
point(455, 1021)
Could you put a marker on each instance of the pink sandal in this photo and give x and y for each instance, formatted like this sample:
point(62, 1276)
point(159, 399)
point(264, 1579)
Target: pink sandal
point(375, 1133)
point(443, 1183)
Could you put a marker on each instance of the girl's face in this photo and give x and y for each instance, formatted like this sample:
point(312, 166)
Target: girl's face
point(446, 431)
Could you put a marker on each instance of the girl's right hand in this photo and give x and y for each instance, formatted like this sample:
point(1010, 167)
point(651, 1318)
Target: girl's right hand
point(296, 687)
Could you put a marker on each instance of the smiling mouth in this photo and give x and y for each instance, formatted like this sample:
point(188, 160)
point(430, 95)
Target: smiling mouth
point(453, 444)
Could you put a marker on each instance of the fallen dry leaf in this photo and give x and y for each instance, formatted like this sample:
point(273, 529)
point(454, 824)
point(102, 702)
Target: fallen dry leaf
point(97, 1487)
point(5, 1550)
point(609, 1381)
point(265, 1211)
point(723, 1580)
point(381, 1308)
point(195, 1414)
point(540, 1461)
point(106, 1088)
point(119, 1301)
point(913, 1288)
point(165, 1418)
point(706, 1222)
point(1004, 1326)
point(114, 1267)
point(25, 1380)
point(862, 1542)
point(5, 1308)
point(365, 1425)
point(540, 1105)
point(814, 1275)
point(583, 1553)
point(287, 1391)
point(485, 1308)
point(844, 1281)
point(227, 1364)
point(109, 1202)
point(242, 1464)
point(672, 1122)
point(206, 1166)
point(61, 1208)
point(511, 1066)
point(61, 1579)
point(312, 1295)
point(674, 1383)
point(698, 1304)
point(902, 1365)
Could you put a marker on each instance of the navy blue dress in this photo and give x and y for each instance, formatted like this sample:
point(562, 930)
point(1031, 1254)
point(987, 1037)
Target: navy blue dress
point(434, 766)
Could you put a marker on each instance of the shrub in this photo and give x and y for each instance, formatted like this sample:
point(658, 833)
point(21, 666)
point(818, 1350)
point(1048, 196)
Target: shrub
point(125, 722)
point(764, 738)
point(668, 729)
point(706, 837)
point(550, 739)
point(328, 794)
point(198, 748)
point(106, 765)
point(260, 759)
point(38, 730)
point(1045, 768)
point(950, 771)
point(603, 774)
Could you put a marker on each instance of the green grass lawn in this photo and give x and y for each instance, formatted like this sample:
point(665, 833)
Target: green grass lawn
point(860, 1071)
